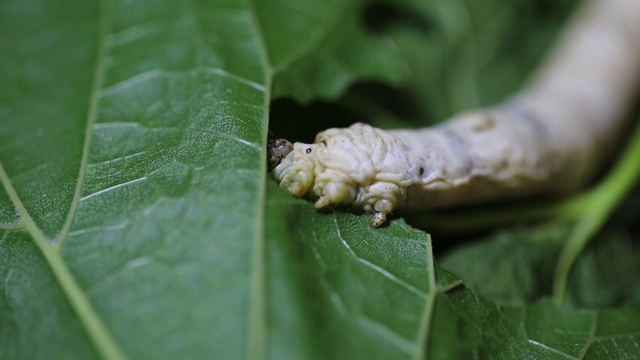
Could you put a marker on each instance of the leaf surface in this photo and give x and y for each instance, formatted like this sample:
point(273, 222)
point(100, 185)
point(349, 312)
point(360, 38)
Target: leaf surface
point(341, 288)
point(137, 219)
point(132, 145)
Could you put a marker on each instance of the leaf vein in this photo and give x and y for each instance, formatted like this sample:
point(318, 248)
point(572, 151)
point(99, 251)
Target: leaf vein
point(114, 187)
point(92, 323)
point(550, 349)
point(335, 298)
point(391, 277)
point(393, 337)
point(229, 137)
point(592, 335)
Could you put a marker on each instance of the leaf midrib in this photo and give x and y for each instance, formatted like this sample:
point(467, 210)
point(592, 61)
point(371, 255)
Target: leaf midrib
point(257, 321)
point(50, 248)
point(88, 317)
point(257, 326)
point(104, 26)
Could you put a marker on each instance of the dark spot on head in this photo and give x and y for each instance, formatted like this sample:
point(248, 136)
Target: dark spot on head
point(421, 171)
point(324, 142)
point(308, 151)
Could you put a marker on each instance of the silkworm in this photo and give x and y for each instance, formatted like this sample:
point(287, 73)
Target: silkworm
point(548, 139)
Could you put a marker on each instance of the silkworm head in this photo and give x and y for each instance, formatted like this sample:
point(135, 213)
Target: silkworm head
point(277, 149)
point(296, 171)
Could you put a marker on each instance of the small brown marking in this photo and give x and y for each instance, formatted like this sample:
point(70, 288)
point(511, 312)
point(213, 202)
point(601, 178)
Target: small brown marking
point(277, 149)
point(483, 123)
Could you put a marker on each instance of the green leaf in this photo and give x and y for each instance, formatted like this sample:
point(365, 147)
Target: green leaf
point(333, 280)
point(607, 273)
point(137, 219)
point(116, 167)
point(470, 327)
point(321, 48)
point(521, 260)
point(132, 143)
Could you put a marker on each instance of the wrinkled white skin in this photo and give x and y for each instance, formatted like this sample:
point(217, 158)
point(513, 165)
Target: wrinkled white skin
point(354, 165)
point(379, 171)
point(546, 140)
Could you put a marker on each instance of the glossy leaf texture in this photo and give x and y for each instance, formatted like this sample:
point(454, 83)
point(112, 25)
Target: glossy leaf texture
point(137, 219)
point(132, 144)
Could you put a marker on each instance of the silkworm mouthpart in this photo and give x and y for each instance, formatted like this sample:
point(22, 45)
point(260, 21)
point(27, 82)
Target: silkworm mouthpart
point(277, 149)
